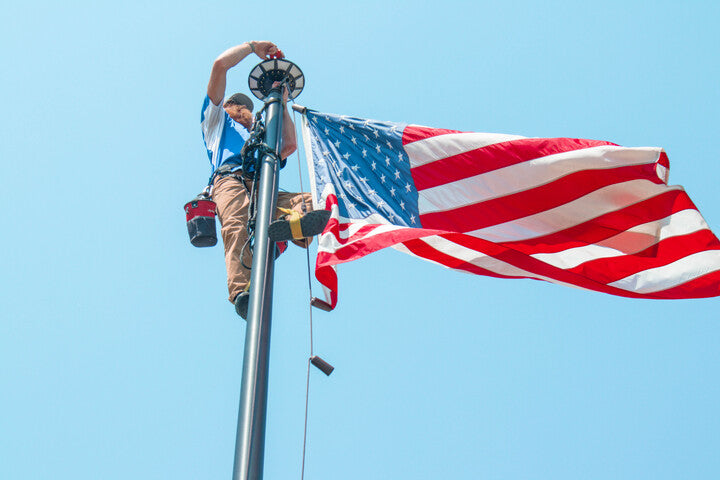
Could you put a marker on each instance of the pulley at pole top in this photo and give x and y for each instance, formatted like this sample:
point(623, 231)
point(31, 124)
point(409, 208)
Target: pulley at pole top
point(274, 70)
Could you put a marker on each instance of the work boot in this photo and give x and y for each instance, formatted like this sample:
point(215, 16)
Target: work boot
point(241, 304)
point(297, 227)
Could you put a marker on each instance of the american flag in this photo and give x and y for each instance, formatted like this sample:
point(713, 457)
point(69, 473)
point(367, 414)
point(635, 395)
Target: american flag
point(582, 213)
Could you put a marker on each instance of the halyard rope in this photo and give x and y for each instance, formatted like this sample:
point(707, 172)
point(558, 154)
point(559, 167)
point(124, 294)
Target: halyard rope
point(309, 276)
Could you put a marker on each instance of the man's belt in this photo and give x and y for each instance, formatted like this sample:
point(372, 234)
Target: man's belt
point(229, 169)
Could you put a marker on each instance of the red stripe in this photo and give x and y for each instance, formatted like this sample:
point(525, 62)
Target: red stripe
point(608, 225)
point(413, 133)
point(359, 245)
point(608, 270)
point(532, 265)
point(493, 157)
point(423, 250)
point(327, 276)
point(536, 200)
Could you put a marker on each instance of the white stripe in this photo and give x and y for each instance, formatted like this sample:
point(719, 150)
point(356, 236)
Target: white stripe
point(477, 258)
point(441, 146)
point(604, 200)
point(671, 275)
point(631, 241)
point(531, 174)
point(329, 244)
point(307, 147)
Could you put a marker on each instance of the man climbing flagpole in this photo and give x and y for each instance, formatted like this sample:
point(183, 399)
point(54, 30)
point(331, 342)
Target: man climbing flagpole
point(246, 156)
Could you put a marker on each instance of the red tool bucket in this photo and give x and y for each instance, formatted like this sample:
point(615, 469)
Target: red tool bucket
point(200, 216)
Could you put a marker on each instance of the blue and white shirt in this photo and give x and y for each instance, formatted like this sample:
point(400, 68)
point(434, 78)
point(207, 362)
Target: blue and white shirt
point(223, 136)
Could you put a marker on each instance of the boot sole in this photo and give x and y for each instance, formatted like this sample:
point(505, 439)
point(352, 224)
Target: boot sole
point(311, 224)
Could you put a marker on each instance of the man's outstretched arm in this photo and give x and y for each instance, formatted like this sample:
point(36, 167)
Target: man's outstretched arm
point(231, 57)
point(289, 141)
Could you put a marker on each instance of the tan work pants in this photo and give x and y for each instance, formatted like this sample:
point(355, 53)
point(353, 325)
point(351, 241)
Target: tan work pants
point(232, 207)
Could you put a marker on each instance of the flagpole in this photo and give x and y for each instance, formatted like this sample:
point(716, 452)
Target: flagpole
point(250, 439)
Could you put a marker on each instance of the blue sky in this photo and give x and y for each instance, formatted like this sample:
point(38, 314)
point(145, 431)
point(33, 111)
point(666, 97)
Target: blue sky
point(120, 356)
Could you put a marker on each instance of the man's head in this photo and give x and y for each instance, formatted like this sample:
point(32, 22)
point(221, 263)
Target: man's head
point(239, 108)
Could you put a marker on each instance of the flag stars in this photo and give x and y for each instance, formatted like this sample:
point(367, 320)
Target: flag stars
point(397, 174)
point(367, 139)
point(373, 165)
point(408, 187)
point(382, 178)
point(342, 129)
point(355, 168)
point(376, 133)
point(412, 218)
point(402, 204)
point(327, 131)
point(387, 160)
point(380, 204)
point(337, 143)
point(392, 192)
point(364, 153)
point(400, 156)
point(346, 156)
point(353, 140)
point(377, 148)
point(389, 144)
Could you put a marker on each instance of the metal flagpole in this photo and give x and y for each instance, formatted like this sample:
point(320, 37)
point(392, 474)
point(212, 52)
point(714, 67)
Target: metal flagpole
point(250, 439)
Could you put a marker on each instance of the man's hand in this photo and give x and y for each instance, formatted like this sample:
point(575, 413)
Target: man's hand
point(231, 57)
point(265, 49)
point(284, 91)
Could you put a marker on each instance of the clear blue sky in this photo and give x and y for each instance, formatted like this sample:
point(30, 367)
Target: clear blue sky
point(120, 356)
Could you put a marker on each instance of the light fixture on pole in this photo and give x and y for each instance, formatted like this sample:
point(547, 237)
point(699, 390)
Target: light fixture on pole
point(266, 73)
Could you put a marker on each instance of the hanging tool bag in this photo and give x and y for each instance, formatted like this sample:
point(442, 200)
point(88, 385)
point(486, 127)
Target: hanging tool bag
point(200, 216)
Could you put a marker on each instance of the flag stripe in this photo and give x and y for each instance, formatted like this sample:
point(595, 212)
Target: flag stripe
point(423, 248)
point(430, 169)
point(594, 204)
point(537, 173)
point(439, 147)
point(609, 270)
point(543, 210)
point(631, 241)
point(673, 274)
point(606, 226)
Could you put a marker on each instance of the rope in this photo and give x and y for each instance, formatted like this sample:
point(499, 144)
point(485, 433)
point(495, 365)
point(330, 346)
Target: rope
point(309, 276)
